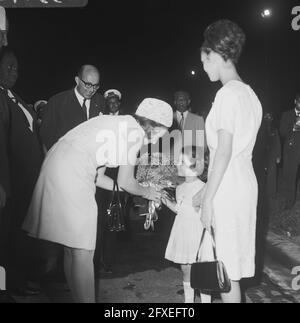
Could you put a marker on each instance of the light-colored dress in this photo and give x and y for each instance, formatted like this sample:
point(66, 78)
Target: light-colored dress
point(187, 229)
point(237, 110)
point(63, 208)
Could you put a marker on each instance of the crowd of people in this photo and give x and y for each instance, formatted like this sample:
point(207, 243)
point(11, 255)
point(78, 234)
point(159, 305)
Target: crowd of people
point(55, 185)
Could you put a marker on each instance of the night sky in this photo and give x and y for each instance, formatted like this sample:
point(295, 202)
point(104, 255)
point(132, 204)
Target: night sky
point(148, 48)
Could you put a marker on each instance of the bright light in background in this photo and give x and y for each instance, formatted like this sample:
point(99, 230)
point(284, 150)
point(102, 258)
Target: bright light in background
point(266, 13)
point(193, 73)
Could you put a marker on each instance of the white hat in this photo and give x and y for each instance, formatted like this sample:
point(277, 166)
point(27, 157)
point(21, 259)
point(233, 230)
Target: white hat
point(3, 26)
point(113, 92)
point(36, 105)
point(156, 110)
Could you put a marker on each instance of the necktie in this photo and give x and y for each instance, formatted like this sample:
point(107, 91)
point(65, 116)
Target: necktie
point(28, 117)
point(181, 124)
point(84, 107)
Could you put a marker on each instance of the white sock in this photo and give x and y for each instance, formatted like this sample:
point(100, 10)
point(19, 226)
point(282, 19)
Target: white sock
point(205, 299)
point(189, 293)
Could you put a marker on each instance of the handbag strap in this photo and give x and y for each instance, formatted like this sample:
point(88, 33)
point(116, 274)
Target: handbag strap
point(213, 244)
point(115, 193)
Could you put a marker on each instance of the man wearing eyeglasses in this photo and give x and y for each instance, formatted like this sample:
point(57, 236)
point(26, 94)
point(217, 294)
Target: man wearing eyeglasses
point(67, 110)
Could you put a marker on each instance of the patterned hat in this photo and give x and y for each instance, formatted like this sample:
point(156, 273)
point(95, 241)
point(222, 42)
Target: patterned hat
point(156, 110)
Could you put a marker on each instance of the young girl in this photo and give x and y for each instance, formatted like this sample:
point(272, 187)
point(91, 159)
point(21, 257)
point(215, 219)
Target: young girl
point(187, 230)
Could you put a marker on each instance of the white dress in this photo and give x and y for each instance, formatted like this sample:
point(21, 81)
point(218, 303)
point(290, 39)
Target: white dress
point(187, 229)
point(237, 110)
point(63, 207)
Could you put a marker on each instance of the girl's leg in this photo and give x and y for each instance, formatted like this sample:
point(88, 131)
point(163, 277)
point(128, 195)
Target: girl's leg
point(235, 295)
point(68, 271)
point(189, 293)
point(81, 276)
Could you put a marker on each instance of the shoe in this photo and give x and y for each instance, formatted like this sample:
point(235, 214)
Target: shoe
point(6, 298)
point(26, 291)
point(105, 270)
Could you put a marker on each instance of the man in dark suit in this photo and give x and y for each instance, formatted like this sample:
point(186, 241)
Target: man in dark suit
point(290, 133)
point(21, 157)
point(69, 109)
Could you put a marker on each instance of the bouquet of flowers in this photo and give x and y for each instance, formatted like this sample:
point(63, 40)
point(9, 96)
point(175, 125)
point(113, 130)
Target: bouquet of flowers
point(157, 170)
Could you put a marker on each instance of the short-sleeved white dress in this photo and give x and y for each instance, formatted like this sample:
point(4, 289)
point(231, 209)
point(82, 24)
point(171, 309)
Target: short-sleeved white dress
point(63, 207)
point(237, 110)
point(187, 229)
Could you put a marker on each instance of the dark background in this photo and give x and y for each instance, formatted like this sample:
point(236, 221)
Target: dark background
point(148, 48)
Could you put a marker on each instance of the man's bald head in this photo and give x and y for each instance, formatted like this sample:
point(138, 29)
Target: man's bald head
point(88, 81)
point(86, 70)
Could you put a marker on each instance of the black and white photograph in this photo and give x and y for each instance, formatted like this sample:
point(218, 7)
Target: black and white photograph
point(150, 154)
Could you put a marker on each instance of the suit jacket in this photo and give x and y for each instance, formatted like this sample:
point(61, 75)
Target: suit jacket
point(194, 123)
point(21, 153)
point(63, 113)
point(290, 137)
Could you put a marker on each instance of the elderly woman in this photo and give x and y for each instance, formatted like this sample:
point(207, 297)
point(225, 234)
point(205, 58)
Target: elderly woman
point(229, 200)
point(63, 208)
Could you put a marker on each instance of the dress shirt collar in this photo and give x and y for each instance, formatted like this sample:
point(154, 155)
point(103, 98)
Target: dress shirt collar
point(81, 98)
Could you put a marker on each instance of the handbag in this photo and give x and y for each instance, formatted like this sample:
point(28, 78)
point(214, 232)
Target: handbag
point(115, 212)
point(210, 276)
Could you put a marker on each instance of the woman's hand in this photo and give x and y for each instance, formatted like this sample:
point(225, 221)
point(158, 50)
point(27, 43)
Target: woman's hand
point(207, 216)
point(198, 199)
point(153, 195)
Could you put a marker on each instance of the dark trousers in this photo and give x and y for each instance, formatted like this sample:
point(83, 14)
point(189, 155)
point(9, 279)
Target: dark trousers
point(19, 254)
point(291, 162)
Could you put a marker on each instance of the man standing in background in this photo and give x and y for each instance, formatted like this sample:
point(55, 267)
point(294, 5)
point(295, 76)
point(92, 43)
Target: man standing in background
point(290, 133)
point(68, 109)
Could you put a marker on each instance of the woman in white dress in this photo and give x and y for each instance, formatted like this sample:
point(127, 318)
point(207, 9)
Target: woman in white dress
point(229, 200)
point(63, 208)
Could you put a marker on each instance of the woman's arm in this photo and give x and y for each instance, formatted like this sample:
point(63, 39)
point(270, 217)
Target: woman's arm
point(104, 181)
point(220, 164)
point(128, 183)
point(170, 205)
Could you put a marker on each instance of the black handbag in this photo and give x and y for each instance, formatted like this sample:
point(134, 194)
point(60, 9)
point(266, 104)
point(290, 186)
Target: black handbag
point(115, 212)
point(210, 277)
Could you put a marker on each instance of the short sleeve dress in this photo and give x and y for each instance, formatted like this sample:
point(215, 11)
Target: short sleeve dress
point(63, 207)
point(187, 229)
point(238, 111)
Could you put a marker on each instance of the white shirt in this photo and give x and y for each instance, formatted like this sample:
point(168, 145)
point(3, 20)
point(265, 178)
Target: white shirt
point(179, 116)
point(297, 112)
point(81, 99)
point(25, 111)
point(114, 114)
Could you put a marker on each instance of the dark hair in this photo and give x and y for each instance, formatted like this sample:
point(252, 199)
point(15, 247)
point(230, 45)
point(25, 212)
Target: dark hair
point(196, 157)
point(297, 97)
point(5, 52)
point(184, 93)
point(225, 38)
point(147, 124)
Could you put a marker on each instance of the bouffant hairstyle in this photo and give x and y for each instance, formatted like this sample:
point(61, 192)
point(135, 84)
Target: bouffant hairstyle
point(225, 38)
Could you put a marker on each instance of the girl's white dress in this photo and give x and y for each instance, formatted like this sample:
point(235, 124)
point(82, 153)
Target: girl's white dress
point(187, 229)
point(238, 111)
